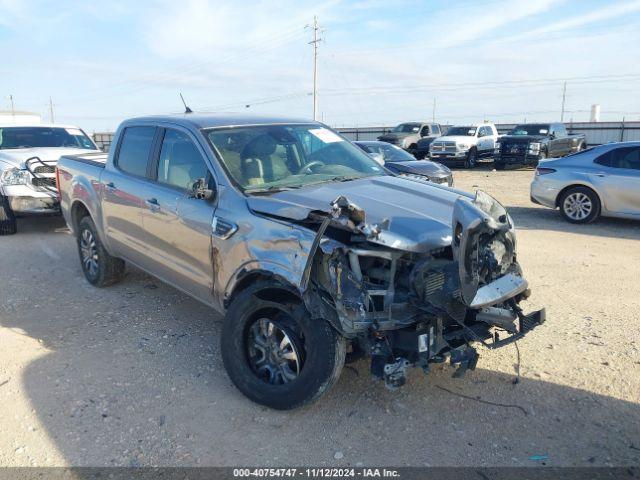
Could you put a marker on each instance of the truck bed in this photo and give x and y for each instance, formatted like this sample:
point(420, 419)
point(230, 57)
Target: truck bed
point(98, 159)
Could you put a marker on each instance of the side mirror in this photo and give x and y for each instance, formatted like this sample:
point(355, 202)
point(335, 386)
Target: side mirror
point(201, 190)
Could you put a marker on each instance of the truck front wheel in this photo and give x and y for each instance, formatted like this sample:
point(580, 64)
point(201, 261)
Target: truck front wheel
point(99, 268)
point(275, 353)
point(7, 218)
point(470, 161)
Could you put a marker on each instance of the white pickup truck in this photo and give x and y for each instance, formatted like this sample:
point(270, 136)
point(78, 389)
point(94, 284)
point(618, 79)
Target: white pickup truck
point(28, 158)
point(465, 144)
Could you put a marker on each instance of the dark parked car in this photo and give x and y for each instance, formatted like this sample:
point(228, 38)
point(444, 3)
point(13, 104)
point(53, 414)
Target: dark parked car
point(405, 165)
point(408, 135)
point(529, 143)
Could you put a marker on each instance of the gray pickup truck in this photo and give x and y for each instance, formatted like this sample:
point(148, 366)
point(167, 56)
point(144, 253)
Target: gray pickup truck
point(315, 254)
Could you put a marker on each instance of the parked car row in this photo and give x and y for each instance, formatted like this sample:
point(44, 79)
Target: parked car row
point(525, 144)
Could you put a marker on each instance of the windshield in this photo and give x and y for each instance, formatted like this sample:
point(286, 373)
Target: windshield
point(530, 130)
point(466, 131)
point(278, 157)
point(390, 153)
point(30, 137)
point(407, 128)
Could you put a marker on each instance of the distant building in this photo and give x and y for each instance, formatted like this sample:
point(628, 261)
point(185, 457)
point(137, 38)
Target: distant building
point(18, 117)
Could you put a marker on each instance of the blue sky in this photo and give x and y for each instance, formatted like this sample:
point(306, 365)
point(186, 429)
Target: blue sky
point(381, 62)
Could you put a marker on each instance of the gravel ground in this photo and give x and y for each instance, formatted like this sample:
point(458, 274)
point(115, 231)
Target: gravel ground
point(132, 375)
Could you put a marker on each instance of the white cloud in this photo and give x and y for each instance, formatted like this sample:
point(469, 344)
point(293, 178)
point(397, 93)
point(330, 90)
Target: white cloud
point(606, 13)
point(470, 24)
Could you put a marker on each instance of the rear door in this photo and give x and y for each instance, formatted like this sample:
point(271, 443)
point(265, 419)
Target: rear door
point(126, 185)
point(618, 177)
point(179, 226)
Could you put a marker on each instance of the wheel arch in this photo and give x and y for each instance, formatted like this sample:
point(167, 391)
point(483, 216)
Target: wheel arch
point(273, 286)
point(575, 185)
point(78, 211)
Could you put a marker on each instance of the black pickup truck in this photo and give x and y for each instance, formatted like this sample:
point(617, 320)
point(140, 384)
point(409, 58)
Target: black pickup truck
point(529, 143)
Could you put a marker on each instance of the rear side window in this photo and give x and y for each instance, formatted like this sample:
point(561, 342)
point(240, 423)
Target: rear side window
point(628, 157)
point(181, 164)
point(134, 150)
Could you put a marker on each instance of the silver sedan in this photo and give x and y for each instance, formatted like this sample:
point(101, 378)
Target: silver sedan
point(603, 180)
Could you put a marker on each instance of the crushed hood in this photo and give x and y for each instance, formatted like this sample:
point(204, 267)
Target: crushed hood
point(413, 215)
point(15, 157)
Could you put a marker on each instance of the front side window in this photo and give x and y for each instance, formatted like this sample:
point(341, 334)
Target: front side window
point(464, 131)
point(180, 164)
point(135, 147)
point(37, 137)
point(273, 157)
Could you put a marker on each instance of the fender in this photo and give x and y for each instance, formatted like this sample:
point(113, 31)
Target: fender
point(254, 269)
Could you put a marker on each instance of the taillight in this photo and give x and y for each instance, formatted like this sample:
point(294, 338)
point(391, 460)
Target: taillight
point(544, 171)
point(58, 182)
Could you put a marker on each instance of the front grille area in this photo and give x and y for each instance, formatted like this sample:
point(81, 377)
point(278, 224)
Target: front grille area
point(44, 182)
point(447, 147)
point(513, 151)
point(45, 169)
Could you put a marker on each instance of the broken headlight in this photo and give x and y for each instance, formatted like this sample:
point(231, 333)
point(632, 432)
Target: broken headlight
point(15, 176)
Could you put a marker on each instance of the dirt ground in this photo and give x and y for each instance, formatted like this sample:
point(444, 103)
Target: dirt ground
point(132, 374)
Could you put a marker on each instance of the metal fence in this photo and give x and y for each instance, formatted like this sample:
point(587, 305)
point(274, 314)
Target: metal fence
point(596, 133)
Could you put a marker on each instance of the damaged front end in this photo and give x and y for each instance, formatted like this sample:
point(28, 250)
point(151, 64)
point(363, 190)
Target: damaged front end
point(407, 304)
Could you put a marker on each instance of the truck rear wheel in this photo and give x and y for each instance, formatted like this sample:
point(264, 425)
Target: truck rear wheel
point(8, 224)
point(275, 353)
point(99, 268)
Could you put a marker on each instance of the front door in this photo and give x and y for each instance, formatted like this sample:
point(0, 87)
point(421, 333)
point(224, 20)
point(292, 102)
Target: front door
point(178, 225)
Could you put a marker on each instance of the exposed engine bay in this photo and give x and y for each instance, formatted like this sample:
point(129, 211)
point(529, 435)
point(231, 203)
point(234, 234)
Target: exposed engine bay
point(407, 305)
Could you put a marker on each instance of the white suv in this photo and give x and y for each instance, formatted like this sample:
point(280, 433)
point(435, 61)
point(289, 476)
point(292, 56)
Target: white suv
point(465, 144)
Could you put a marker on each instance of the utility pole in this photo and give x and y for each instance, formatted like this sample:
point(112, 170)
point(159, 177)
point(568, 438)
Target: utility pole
point(314, 42)
point(13, 110)
point(51, 110)
point(433, 114)
point(564, 96)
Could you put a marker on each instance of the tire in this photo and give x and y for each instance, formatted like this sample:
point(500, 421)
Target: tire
point(99, 268)
point(470, 161)
point(315, 351)
point(579, 205)
point(8, 224)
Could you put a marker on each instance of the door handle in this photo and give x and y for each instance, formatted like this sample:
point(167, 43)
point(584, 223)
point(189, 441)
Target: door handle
point(110, 186)
point(601, 174)
point(153, 204)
